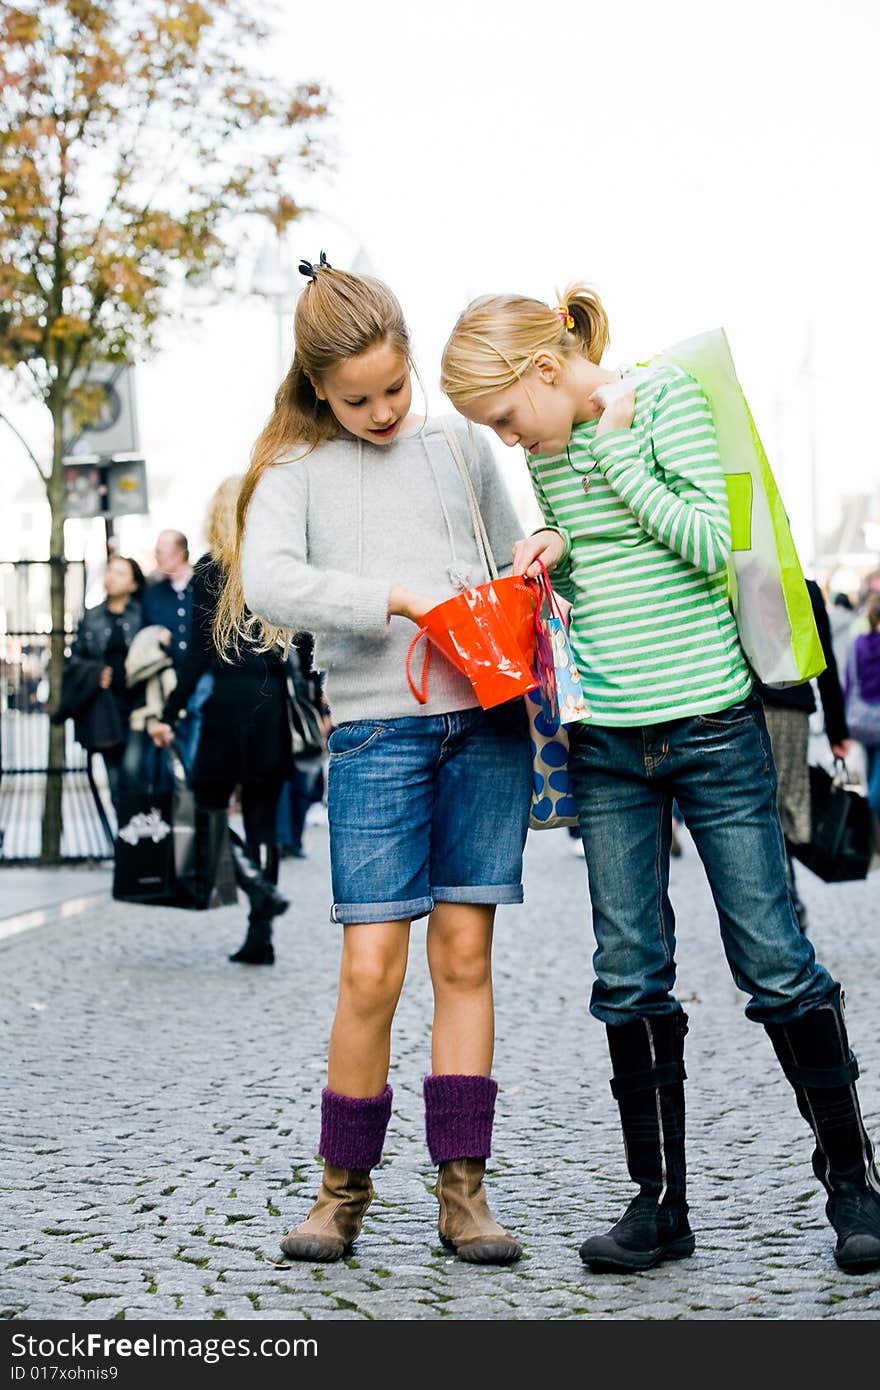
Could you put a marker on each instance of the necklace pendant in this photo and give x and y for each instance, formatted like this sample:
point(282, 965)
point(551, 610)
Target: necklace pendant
point(585, 484)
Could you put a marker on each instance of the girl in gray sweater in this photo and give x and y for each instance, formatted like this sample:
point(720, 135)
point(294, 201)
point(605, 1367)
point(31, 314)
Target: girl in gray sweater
point(353, 522)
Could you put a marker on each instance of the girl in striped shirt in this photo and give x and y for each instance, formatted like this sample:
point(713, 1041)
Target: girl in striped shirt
point(637, 534)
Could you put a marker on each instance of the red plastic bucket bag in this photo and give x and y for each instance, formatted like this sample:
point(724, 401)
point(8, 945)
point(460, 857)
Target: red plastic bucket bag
point(488, 633)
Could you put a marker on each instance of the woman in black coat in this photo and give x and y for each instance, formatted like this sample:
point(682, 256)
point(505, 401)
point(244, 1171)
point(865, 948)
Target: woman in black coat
point(245, 739)
point(97, 662)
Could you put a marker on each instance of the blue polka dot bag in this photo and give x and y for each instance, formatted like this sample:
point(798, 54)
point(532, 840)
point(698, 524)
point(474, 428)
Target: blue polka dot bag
point(552, 801)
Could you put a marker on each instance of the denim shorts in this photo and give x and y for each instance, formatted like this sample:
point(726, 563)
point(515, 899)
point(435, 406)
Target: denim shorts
point(426, 809)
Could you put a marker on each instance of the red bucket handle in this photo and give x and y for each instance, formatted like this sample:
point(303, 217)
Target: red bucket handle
point(419, 692)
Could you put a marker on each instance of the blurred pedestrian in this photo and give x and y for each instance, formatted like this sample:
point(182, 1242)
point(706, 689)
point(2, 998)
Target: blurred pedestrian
point(349, 497)
point(638, 537)
point(168, 595)
point(97, 663)
point(305, 786)
point(842, 619)
point(787, 711)
point(676, 847)
point(862, 681)
point(168, 603)
point(577, 844)
point(245, 741)
point(150, 674)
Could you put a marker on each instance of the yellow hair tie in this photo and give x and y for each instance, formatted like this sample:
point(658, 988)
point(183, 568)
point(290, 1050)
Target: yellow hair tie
point(563, 312)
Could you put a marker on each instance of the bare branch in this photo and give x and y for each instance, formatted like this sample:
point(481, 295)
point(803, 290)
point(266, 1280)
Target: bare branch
point(27, 448)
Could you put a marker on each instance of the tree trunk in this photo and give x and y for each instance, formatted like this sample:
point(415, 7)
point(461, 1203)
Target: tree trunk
point(52, 821)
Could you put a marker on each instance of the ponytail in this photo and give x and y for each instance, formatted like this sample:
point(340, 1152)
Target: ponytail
point(590, 321)
point(495, 339)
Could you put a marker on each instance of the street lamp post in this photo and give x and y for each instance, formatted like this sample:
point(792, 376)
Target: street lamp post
point(274, 279)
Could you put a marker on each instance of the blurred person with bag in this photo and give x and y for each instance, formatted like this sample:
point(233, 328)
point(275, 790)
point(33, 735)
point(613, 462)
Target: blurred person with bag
point(638, 535)
point(94, 691)
point(307, 784)
point(168, 603)
point(354, 522)
point(787, 712)
point(245, 738)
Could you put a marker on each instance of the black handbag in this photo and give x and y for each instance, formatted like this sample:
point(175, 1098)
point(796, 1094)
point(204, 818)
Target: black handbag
point(841, 846)
point(171, 852)
point(303, 714)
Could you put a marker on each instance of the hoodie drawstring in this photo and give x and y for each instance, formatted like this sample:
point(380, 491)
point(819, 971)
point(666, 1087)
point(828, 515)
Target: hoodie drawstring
point(459, 577)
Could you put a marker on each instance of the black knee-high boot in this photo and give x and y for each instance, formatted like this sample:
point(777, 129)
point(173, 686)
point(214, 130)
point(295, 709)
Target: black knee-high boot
point(257, 873)
point(815, 1055)
point(647, 1059)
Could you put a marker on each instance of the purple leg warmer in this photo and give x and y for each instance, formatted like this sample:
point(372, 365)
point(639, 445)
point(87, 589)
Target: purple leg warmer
point(353, 1129)
point(459, 1111)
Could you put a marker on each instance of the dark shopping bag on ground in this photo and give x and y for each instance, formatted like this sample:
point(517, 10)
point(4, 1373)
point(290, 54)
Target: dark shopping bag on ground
point(841, 844)
point(170, 852)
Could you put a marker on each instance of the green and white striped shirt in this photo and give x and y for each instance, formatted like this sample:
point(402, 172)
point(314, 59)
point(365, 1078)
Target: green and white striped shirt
point(647, 544)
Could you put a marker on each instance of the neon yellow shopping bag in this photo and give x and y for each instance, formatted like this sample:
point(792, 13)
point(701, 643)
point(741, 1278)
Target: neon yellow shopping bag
point(768, 593)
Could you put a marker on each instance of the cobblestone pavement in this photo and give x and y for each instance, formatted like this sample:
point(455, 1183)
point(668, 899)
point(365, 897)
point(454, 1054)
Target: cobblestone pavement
point(162, 1113)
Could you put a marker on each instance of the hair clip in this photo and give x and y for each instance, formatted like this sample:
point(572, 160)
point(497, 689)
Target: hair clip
point(563, 311)
point(310, 270)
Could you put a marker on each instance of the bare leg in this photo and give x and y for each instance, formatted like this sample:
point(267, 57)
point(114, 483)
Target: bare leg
point(459, 946)
point(371, 975)
point(460, 1093)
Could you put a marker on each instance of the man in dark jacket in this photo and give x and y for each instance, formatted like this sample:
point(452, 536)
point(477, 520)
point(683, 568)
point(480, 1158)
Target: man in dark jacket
point(788, 716)
point(168, 598)
point(168, 603)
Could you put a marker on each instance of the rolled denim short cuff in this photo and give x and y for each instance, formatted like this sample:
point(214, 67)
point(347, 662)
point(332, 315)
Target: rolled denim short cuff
point(482, 893)
point(348, 913)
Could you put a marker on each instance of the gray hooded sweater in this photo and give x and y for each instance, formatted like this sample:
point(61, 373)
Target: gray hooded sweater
point(328, 535)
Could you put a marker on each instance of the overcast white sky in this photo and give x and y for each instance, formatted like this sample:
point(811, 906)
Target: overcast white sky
point(699, 164)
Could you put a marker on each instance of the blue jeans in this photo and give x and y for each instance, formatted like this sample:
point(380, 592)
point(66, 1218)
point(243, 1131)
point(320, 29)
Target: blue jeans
point(426, 809)
point(144, 766)
point(719, 768)
point(187, 731)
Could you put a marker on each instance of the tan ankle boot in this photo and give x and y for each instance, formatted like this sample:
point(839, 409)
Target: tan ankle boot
point(335, 1221)
point(466, 1224)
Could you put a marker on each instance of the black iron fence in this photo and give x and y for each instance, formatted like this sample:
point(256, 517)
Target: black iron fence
point(25, 648)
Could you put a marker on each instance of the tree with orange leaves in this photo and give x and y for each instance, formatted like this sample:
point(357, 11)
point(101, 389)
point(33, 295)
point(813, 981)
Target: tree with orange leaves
point(132, 135)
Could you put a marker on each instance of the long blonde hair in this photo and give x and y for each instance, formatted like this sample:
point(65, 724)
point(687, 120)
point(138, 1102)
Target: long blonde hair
point(220, 519)
point(495, 339)
point(339, 315)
